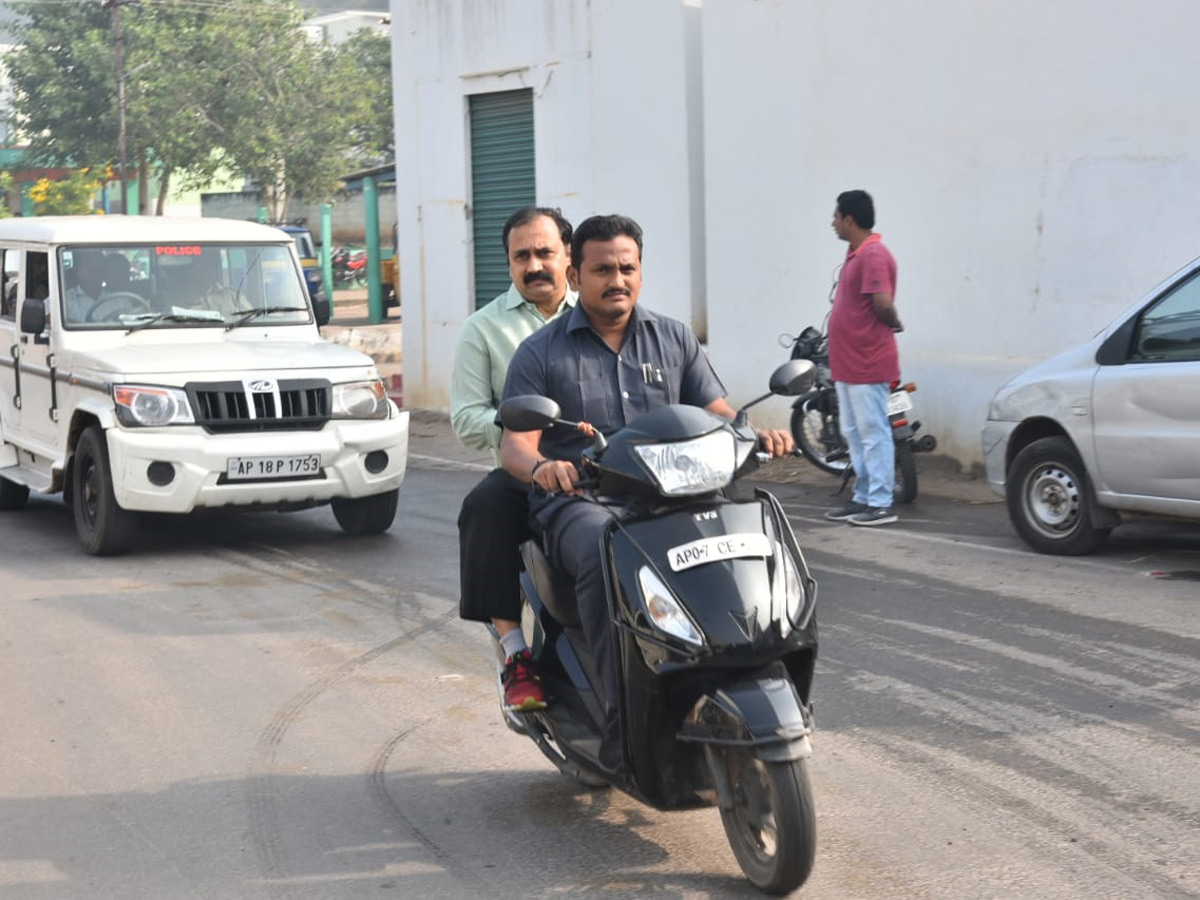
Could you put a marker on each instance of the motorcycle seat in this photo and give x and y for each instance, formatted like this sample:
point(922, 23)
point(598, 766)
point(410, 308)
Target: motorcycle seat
point(555, 587)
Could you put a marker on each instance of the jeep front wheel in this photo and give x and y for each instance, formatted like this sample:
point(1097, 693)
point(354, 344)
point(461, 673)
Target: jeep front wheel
point(366, 515)
point(103, 527)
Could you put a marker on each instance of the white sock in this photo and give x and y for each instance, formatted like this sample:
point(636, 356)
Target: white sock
point(513, 643)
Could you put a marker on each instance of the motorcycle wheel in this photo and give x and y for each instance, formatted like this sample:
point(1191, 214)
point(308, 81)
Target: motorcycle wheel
point(772, 825)
point(816, 433)
point(906, 474)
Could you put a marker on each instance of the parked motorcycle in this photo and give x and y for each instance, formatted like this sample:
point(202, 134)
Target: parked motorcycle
point(714, 628)
point(349, 268)
point(815, 427)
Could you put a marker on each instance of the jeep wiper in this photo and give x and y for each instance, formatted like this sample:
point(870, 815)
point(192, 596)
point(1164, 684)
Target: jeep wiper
point(177, 316)
point(243, 316)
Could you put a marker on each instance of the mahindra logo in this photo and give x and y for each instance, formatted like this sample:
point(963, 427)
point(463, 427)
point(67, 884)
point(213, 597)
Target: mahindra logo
point(262, 386)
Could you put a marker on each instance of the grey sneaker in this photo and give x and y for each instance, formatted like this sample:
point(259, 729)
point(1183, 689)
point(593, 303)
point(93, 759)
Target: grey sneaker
point(850, 509)
point(874, 516)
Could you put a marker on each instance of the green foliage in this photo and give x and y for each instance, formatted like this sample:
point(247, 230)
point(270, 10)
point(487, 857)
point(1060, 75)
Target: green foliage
point(365, 62)
point(230, 83)
point(6, 194)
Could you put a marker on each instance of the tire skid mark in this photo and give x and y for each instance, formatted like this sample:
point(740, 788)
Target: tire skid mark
point(265, 827)
point(378, 790)
point(1091, 832)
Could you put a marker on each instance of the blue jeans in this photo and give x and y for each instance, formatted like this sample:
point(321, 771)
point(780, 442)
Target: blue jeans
point(862, 413)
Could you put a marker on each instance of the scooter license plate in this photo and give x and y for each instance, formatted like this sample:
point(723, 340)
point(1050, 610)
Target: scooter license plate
point(898, 402)
point(712, 549)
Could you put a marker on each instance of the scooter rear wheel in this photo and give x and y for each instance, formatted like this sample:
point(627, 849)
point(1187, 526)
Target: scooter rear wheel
point(772, 825)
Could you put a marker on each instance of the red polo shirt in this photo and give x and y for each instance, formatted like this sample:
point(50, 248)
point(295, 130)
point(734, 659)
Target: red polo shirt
point(862, 349)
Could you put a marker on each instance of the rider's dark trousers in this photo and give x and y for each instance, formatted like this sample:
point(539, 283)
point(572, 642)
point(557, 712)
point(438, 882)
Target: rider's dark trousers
point(492, 525)
point(572, 529)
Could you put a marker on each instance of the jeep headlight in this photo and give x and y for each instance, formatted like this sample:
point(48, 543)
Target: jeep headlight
point(145, 405)
point(360, 400)
point(683, 468)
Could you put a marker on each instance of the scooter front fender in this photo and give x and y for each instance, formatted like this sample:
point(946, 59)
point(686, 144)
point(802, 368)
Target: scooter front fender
point(763, 713)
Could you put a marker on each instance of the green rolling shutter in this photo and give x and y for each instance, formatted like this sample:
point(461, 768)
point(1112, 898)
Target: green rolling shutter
point(502, 180)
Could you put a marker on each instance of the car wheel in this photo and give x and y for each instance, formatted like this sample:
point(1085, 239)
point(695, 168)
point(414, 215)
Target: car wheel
point(1049, 499)
point(103, 527)
point(366, 515)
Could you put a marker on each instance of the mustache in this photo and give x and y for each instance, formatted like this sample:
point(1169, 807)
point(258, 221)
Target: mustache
point(539, 276)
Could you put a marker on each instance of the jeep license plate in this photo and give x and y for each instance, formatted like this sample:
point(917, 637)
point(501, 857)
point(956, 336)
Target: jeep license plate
point(249, 468)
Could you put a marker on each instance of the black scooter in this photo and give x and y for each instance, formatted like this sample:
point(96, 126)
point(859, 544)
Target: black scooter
point(713, 608)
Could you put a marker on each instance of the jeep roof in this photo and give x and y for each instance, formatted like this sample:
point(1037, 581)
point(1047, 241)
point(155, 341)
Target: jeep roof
point(110, 230)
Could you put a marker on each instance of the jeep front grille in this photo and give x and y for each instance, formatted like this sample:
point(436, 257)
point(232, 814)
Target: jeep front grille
point(261, 404)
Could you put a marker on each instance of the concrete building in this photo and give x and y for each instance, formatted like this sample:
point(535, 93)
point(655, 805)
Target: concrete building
point(1032, 163)
point(336, 27)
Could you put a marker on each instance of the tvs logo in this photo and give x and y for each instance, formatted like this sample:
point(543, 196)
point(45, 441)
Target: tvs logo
point(262, 386)
point(747, 622)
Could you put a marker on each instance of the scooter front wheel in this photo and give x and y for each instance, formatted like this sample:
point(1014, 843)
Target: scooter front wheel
point(771, 825)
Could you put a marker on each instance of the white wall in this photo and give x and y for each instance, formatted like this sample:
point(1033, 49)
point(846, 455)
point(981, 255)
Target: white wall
point(610, 136)
point(1034, 167)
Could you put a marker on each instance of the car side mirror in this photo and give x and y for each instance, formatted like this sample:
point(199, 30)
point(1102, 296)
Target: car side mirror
point(321, 308)
point(33, 317)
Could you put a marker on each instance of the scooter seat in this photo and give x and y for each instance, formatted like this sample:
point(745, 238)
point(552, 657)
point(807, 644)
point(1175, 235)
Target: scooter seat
point(556, 588)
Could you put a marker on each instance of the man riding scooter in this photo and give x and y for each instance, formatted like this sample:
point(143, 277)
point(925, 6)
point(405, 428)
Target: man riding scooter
point(604, 363)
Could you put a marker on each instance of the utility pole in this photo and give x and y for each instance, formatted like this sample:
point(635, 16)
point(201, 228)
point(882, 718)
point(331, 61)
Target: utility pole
point(119, 48)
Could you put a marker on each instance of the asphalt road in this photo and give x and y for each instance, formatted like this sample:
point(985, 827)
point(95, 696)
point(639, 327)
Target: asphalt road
point(256, 706)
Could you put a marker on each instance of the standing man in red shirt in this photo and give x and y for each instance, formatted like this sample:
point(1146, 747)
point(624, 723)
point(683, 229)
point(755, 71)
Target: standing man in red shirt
point(863, 360)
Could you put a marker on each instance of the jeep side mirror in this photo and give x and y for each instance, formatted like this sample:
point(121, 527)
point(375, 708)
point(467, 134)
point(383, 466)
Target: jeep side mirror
point(321, 308)
point(33, 317)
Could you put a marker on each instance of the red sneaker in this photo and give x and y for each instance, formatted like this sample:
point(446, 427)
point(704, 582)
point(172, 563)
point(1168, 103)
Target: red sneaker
point(522, 687)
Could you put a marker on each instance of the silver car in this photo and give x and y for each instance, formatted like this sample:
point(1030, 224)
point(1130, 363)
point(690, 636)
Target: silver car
point(1108, 427)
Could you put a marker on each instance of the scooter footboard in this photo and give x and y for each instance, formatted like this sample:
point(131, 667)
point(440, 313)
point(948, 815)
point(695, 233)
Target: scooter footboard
point(763, 713)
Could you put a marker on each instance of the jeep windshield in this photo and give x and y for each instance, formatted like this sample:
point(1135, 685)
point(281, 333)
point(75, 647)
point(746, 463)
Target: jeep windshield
point(180, 286)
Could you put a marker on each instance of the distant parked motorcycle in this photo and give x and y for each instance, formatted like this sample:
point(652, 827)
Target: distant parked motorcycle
point(349, 267)
point(816, 430)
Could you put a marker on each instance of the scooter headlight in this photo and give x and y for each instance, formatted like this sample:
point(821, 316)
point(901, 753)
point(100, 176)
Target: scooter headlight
point(664, 610)
point(684, 468)
point(788, 591)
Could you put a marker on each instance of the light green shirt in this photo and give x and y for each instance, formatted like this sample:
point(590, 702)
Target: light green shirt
point(490, 336)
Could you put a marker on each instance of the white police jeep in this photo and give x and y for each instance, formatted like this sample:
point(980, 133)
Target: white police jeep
point(161, 365)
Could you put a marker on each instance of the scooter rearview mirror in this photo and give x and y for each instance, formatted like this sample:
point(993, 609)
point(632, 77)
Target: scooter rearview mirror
point(793, 378)
point(529, 413)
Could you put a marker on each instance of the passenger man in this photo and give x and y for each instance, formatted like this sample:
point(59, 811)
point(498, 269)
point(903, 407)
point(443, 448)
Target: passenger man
point(864, 361)
point(494, 517)
point(592, 363)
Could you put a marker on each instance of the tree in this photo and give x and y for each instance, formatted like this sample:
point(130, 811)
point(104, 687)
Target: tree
point(280, 114)
point(225, 82)
point(366, 65)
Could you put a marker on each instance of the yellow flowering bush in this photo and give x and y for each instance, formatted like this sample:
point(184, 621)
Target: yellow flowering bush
point(67, 196)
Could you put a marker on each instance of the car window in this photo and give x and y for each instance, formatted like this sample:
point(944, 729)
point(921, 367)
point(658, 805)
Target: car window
point(181, 286)
point(8, 291)
point(1170, 328)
